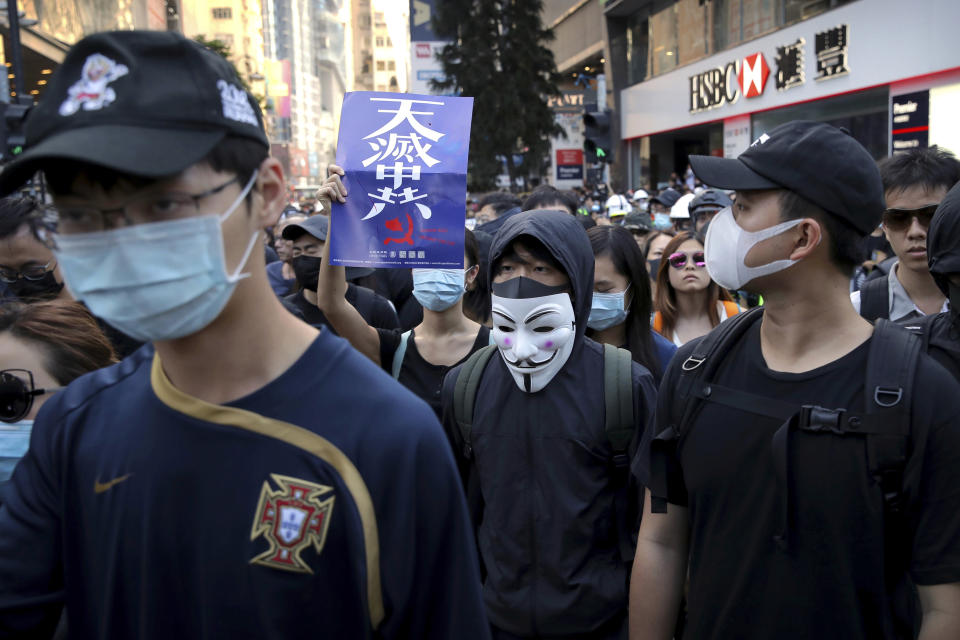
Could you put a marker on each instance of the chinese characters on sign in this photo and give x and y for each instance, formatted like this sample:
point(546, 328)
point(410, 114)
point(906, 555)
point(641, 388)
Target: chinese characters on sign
point(830, 47)
point(405, 159)
point(790, 62)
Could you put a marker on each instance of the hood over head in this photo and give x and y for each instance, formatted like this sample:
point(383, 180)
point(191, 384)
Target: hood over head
point(943, 240)
point(566, 240)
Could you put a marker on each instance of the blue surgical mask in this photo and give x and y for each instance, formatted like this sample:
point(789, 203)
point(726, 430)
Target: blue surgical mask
point(14, 442)
point(154, 281)
point(438, 289)
point(607, 310)
point(662, 221)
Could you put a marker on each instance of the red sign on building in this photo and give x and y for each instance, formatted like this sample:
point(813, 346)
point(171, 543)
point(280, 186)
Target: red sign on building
point(753, 75)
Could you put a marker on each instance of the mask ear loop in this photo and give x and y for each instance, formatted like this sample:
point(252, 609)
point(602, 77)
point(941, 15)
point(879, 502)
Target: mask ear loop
point(236, 276)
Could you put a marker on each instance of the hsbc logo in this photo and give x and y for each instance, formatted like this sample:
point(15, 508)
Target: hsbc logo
point(752, 76)
point(423, 50)
point(724, 85)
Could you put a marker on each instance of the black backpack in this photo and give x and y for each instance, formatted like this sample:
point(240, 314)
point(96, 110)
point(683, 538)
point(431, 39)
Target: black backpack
point(884, 423)
point(875, 299)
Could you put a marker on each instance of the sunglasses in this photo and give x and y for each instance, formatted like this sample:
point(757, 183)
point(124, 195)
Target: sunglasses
point(678, 260)
point(901, 219)
point(17, 393)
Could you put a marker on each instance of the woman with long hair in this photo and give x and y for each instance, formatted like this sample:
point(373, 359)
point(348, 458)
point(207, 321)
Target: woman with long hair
point(688, 303)
point(620, 311)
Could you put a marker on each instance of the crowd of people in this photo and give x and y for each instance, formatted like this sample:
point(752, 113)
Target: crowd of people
point(724, 410)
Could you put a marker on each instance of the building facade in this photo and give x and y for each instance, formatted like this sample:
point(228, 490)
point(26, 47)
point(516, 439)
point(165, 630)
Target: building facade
point(307, 61)
point(710, 76)
point(580, 51)
point(236, 23)
point(380, 45)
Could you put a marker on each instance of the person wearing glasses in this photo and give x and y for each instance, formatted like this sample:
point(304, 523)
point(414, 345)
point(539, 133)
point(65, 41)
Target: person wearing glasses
point(914, 183)
point(688, 303)
point(244, 475)
point(28, 269)
point(43, 347)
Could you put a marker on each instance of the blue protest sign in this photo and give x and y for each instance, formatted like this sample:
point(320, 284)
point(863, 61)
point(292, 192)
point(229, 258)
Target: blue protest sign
point(405, 159)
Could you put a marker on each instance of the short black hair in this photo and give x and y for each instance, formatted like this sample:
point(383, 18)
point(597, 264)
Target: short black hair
point(847, 249)
point(233, 154)
point(536, 248)
point(547, 196)
point(500, 201)
point(16, 211)
point(929, 167)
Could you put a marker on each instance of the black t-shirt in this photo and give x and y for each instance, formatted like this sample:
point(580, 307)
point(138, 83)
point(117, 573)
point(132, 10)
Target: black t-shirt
point(830, 584)
point(416, 374)
point(374, 308)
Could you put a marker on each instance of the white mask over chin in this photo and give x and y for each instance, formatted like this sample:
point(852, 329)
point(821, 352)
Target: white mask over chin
point(534, 327)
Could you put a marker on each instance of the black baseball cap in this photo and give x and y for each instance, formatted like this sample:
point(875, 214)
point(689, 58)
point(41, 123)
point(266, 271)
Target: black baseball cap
point(815, 160)
point(668, 197)
point(318, 226)
point(637, 221)
point(710, 199)
point(145, 103)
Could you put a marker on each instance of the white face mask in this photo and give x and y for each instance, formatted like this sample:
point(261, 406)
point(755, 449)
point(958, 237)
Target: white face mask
point(155, 281)
point(728, 244)
point(535, 334)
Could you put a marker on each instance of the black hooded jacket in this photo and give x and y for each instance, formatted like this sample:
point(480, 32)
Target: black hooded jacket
point(547, 527)
point(943, 254)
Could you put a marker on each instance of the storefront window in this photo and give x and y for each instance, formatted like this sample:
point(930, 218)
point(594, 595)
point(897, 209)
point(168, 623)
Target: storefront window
point(637, 37)
point(689, 30)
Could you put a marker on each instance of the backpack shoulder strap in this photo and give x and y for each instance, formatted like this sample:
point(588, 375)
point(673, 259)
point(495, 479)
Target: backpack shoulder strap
point(399, 353)
point(465, 393)
point(874, 303)
point(704, 361)
point(891, 368)
point(618, 398)
point(701, 364)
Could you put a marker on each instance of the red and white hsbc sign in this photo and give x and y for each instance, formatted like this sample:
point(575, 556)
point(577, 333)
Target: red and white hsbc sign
point(716, 87)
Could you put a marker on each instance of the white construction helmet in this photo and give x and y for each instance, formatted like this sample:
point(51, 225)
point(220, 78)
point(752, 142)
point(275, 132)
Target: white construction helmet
point(681, 208)
point(640, 194)
point(618, 205)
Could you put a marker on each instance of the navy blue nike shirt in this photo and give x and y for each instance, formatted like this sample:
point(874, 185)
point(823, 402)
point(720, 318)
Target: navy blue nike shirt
point(325, 504)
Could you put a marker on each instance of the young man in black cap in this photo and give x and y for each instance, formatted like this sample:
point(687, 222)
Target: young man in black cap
point(805, 481)
point(309, 237)
point(914, 183)
point(244, 476)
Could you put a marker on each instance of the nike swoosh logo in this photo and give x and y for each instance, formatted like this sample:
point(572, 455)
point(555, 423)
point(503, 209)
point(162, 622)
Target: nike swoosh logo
point(100, 487)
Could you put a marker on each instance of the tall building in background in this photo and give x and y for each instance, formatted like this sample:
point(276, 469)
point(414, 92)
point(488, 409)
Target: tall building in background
point(236, 23)
point(308, 69)
point(380, 46)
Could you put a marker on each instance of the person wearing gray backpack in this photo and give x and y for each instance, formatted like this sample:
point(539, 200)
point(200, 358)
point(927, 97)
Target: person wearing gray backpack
point(543, 424)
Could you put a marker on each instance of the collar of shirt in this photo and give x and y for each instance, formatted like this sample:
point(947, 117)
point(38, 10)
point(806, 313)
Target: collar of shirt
point(902, 305)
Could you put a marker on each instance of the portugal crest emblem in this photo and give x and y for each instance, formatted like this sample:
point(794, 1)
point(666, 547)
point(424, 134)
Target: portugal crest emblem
point(291, 518)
